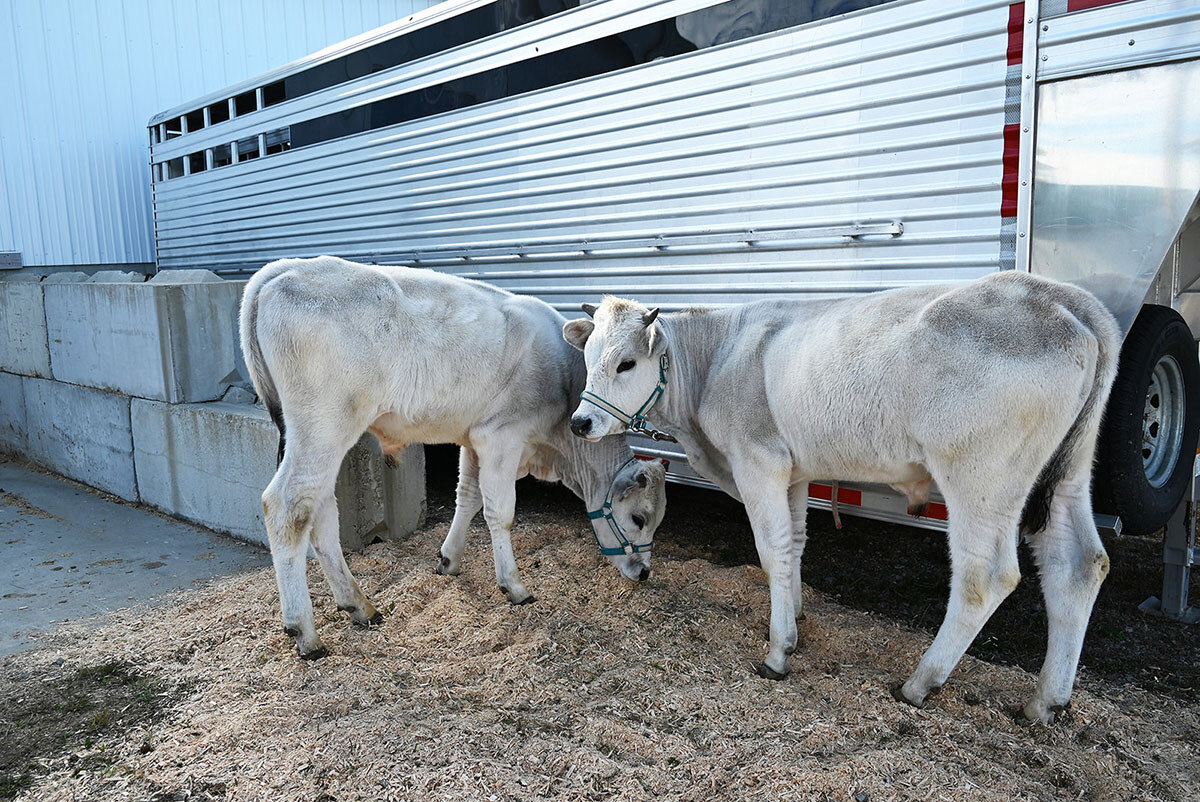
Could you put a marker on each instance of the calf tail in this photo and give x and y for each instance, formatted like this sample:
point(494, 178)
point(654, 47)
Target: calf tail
point(1078, 447)
point(260, 375)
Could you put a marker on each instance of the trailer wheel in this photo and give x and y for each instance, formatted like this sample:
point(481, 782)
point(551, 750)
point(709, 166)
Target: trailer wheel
point(1148, 440)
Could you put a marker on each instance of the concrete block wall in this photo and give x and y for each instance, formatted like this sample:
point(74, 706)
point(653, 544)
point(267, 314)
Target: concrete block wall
point(172, 338)
point(98, 376)
point(24, 346)
point(209, 463)
point(82, 433)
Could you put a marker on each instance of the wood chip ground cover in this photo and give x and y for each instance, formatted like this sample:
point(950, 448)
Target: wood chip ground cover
point(603, 689)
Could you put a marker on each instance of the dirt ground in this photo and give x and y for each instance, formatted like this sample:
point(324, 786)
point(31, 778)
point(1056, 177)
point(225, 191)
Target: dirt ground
point(603, 689)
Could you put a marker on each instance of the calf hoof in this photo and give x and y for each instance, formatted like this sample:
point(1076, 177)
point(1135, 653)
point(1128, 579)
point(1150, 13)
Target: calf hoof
point(917, 510)
point(446, 567)
point(315, 654)
point(391, 461)
point(1040, 714)
point(527, 598)
point(359, 618)
point(766, 672)
point(898, 694)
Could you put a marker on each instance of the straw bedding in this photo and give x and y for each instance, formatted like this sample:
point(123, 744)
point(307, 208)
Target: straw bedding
point(601, 690)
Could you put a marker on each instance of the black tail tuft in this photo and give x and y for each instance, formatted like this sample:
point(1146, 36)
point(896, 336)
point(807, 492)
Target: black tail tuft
point(1036, 513)
point(276, 412)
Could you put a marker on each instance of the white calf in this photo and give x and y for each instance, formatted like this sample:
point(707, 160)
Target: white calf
point(336, 348)
point(994, 389)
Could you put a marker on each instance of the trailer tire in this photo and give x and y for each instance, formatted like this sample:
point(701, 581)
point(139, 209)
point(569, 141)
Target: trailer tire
point(1148, 439)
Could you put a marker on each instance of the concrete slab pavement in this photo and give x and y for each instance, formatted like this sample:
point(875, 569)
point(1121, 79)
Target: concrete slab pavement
point(67, 552)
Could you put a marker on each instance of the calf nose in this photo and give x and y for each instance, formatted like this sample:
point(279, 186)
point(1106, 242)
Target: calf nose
point(644, 575)
point(581, 426)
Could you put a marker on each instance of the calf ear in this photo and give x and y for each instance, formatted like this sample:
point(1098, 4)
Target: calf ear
point(626, 484)
point(576, 332)
point(654, 470)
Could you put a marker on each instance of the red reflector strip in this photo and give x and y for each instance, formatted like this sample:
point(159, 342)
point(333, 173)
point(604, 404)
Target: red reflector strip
point(1016, 32)
point(845, 495)
point(1080, 5)
point(1011, 161)
point(937, 511)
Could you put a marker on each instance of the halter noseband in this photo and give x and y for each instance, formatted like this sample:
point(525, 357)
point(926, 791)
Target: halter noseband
point(636, 422)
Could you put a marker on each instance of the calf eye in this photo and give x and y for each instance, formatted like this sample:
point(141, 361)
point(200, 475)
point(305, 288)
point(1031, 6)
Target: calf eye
point(626, 365)
point(638, 521)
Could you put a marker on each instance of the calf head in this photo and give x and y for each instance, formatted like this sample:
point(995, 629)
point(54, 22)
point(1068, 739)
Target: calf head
point(622, 349)
point(637, 503)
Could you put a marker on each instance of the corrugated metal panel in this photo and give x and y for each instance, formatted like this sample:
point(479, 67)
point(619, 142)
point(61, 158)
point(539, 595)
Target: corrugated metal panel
point(1119, 36)
point(80, 80)
point(893, 113)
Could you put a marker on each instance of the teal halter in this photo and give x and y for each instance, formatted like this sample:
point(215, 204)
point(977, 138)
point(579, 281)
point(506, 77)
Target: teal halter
point(605, 512)
point(637, 421)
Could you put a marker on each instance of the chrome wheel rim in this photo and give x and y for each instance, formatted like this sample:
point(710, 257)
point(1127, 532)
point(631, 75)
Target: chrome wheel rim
point(1162, 421)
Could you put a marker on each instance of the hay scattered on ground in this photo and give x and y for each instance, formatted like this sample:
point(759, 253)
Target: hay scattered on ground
point(601, 690)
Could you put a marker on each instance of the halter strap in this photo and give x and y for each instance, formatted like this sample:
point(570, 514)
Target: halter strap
point(637, 422)
point(606, 513)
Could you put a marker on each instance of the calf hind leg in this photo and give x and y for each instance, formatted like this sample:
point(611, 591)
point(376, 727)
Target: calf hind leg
point(467, 502)
point(288, 512)
point(1072, 564)
point(984, 570)
point(327, 544)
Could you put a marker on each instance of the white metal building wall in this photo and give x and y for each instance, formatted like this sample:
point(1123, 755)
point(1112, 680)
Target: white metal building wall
point(788, 129)
point(80, 78)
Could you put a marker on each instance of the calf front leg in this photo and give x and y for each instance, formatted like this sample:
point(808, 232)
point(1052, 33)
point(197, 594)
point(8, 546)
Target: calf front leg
point(498, 465)
point(767, 505)
point(467, 502)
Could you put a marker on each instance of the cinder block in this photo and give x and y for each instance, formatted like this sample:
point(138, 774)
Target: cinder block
point(210, 463)
point(12, 414)
point(82, 433)
point(170, 339)
point(23, 347)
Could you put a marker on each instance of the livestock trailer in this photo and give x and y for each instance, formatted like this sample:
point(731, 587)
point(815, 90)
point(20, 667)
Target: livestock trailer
point(699, 152)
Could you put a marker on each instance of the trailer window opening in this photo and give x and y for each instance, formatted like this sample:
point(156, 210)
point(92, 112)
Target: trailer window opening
point(222, 155)
point(697, 30)
point(218, 112)
point(245, 103)
point(194, 119)
point(247, 149)
point(278, 140)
